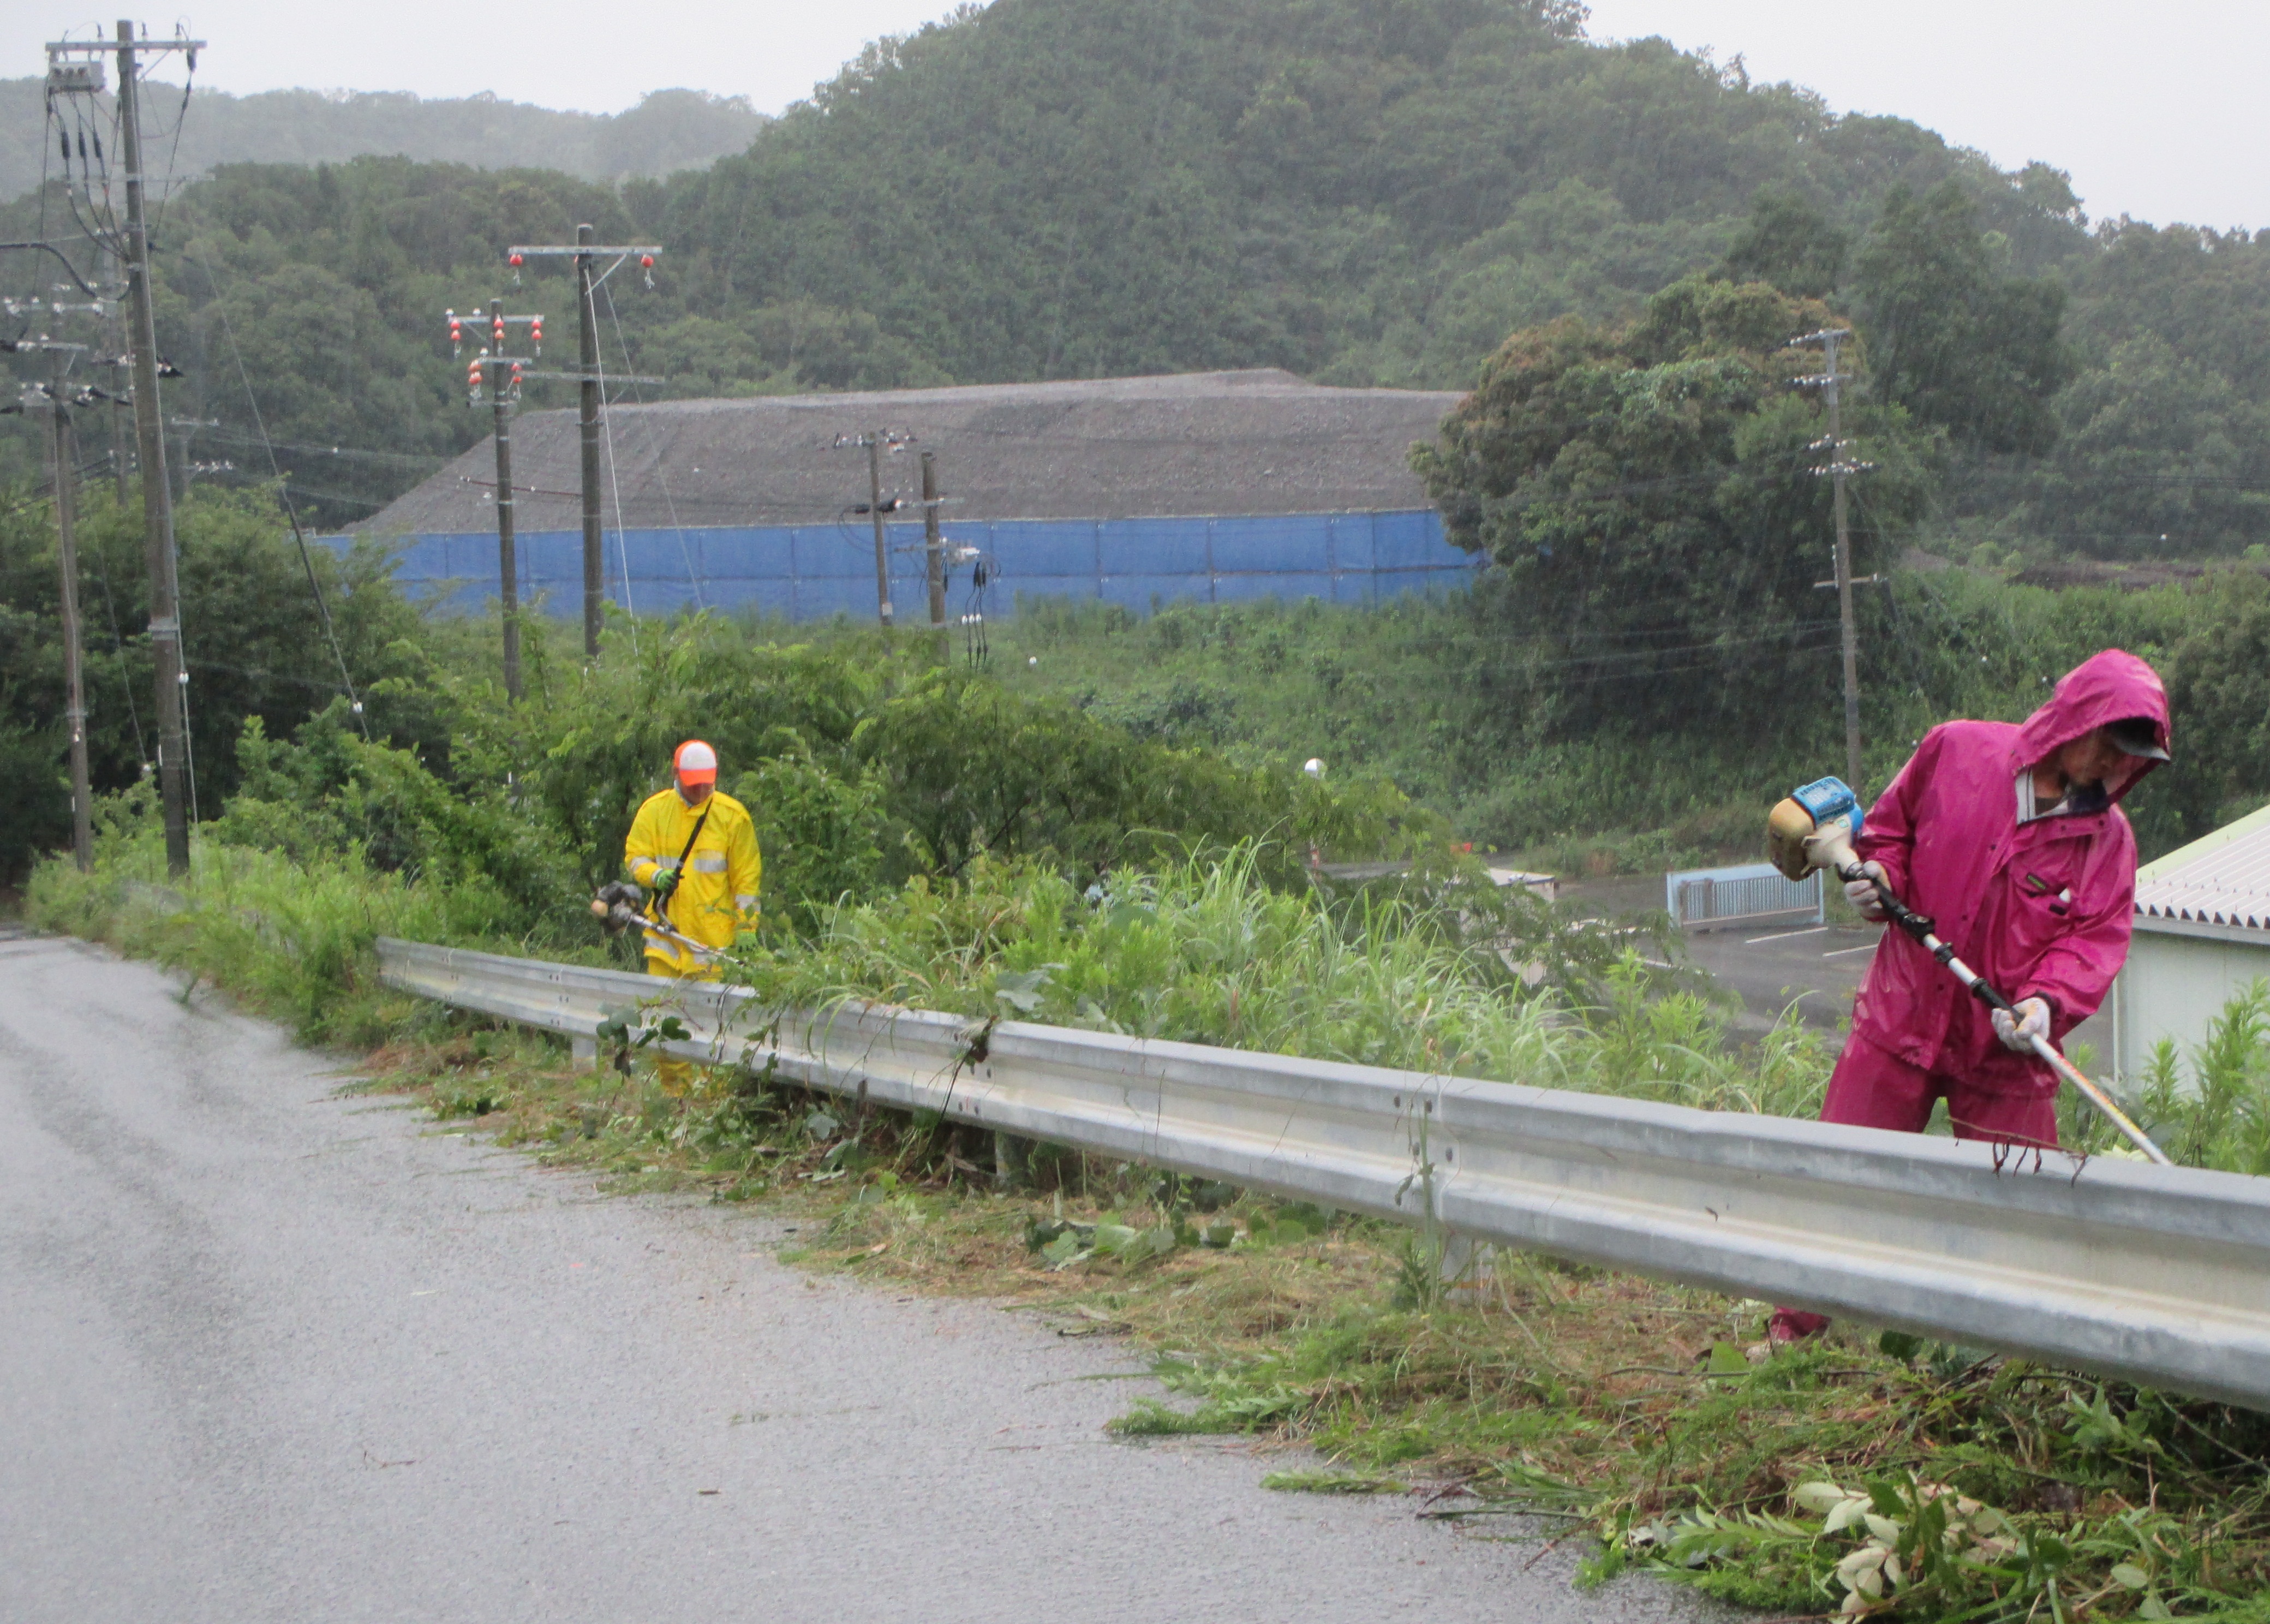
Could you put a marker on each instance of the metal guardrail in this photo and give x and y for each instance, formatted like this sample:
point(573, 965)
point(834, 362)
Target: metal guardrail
point(1751, 894)
point(2158, 1274)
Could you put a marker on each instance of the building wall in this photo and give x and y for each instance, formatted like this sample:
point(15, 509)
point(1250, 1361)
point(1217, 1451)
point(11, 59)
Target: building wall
point(814, 571)
point(2173, 986)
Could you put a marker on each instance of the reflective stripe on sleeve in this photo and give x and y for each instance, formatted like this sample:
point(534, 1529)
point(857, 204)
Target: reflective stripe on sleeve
point(745, 901)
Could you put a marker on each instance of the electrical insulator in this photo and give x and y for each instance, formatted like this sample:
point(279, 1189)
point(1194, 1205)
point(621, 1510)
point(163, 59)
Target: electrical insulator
point(516, 262)
point(500, 331)
point(646, 264)
point(536, 333)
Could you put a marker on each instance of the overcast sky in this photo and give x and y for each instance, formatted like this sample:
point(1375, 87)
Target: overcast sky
point(2155, 109)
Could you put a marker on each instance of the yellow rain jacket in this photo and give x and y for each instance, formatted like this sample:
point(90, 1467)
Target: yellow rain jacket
point(716, 893)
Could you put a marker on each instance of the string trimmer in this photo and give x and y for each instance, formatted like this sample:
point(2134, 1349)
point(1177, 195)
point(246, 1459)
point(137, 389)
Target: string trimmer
point(622, 906)
point(1814, 828)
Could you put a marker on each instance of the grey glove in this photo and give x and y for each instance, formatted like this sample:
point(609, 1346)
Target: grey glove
point(2019, 1031)
point(1863, 894)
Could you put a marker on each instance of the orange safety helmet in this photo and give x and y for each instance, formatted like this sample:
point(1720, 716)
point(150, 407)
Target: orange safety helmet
point(695, 763)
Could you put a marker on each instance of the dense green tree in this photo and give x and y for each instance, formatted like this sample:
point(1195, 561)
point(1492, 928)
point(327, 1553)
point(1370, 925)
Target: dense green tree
point(1649, 495)
point(1788, 243)
point(1956, 342)
point(250, 633)
point(2219, 688)
point(2162, 456)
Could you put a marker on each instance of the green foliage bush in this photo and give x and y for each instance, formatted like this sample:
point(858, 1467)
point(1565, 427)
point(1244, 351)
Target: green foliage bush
point(875, 747)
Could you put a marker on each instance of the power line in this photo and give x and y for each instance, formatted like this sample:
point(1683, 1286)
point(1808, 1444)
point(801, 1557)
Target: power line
point(291, 512)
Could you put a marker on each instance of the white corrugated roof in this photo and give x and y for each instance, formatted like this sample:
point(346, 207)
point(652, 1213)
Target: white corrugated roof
point(2221, 880)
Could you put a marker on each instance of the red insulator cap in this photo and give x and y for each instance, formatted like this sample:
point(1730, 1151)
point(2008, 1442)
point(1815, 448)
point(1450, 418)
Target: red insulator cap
point(516, 262)
point(647, 260)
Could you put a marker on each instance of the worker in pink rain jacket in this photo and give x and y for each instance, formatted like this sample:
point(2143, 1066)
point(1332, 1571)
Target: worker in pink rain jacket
point(2013, 840)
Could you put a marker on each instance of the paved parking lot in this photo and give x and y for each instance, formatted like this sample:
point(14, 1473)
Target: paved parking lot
point(1770, 966)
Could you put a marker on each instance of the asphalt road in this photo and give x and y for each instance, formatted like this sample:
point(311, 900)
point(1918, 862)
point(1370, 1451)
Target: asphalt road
point(272, 1352)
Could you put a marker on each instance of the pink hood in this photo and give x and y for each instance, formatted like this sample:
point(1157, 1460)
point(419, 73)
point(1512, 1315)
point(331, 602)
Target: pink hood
point(2109, 687)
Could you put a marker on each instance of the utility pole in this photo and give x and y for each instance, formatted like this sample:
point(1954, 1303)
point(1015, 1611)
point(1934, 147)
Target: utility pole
point(499, 383)
point(1837, 467)
point(587, 335)
point(157, 496)
point(933, 547)
point(187, 427)
point(589, 378)
point(107, 276)
point(63, 460)
point(502, 373)
point(876, 443)
point(875, 511)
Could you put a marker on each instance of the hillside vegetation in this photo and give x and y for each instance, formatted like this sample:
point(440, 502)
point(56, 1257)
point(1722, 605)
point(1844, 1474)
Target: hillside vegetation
point(1364, 191)
point(1611, 246)
point(667, 132)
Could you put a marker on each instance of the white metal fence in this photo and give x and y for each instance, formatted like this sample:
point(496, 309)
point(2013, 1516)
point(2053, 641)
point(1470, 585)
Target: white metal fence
point(2160, 1274)
point(1752, 893)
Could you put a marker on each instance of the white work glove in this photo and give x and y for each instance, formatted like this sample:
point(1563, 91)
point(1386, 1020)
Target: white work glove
point(1862, 893)
point(2019, 1031)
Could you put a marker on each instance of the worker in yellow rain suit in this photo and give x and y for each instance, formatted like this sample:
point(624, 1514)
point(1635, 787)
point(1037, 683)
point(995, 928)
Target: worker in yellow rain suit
point(695, 851)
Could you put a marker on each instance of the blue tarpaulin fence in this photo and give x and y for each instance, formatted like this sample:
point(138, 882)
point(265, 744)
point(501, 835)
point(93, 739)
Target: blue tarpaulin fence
point(811, 572)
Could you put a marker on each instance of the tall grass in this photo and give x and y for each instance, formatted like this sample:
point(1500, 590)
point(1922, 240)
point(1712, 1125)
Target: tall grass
point(293, 937)
point(2214, 1111)
point(1204, 952)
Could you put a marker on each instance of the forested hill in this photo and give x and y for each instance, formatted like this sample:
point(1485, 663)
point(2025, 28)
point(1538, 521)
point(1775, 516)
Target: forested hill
point(1361, 191)
point(669, 130)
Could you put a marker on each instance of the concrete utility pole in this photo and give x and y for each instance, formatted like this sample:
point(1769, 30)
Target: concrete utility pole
point(589, 378)
point(1837, 467)
point(876, 443)
point(595, 551)
point(64, 462)
point(501, 382)
point(187, 429)
point(875, 510)
point(157, 496)
point(933, 547)
point(108, 279)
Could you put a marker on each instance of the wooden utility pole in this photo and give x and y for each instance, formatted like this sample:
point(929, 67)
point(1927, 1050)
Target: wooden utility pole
point(150, 432)
point(500, 382)
point(589, 379)
point(65, 460)
point(1837, 467)
point(933, 546)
